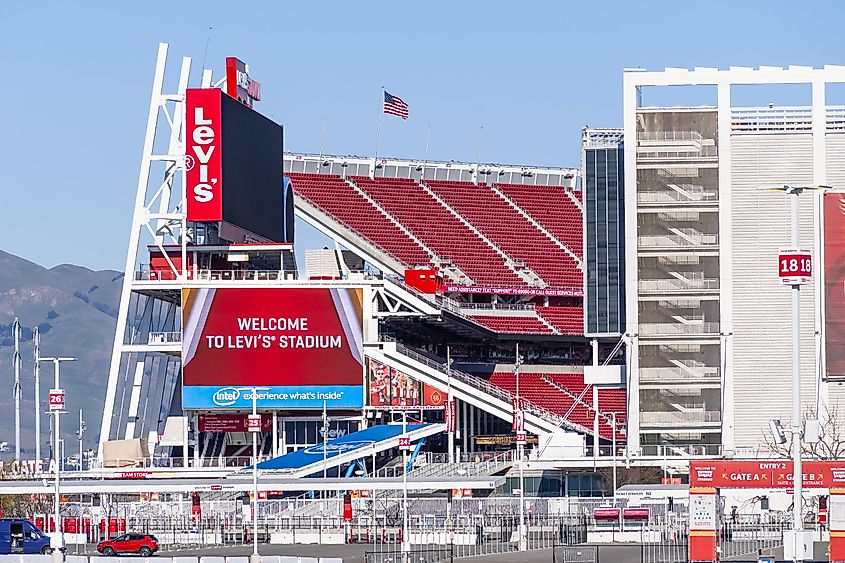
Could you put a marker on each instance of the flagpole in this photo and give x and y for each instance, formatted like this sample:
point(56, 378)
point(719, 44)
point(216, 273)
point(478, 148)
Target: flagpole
point(378, 132)
point(478, 153)
point(425, 158)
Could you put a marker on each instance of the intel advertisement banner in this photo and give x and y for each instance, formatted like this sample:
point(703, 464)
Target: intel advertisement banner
point(300, 347)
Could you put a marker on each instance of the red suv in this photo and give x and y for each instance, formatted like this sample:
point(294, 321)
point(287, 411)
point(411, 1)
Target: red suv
point(142, 544)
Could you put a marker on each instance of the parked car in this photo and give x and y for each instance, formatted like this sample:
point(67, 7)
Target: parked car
point(22, 536)
point(142, 544)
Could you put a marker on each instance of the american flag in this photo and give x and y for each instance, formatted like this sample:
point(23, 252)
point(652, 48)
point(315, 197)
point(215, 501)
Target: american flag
point(394, 105)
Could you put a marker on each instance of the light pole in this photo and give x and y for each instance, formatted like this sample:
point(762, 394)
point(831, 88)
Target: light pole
point(795, 282)
point(449, 433)
point(58, 538)
point(16, 390)
point(255, 558)
point(36, 339)
point(519, 452)
point(79, 434)
point(613, 418)
point(406, 546)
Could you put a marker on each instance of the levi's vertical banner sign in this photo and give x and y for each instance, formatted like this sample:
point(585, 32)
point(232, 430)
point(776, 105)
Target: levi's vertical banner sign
point(518, 415)
point(834, 284)
point(203, 161)
point(303, 345)
point(233, 168)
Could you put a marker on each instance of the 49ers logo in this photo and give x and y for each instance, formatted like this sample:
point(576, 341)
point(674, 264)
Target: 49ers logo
point(202, 155)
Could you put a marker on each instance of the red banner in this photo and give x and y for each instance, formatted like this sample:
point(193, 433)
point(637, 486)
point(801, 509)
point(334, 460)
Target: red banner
point(450, 416)
point(203, 160)
point(765, 474)
point(834, 283)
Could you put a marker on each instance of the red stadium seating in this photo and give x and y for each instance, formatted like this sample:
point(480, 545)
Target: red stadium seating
point(334, 196)
point(568, 320)
point(552, 208)
point(439, 229)
point(516, 235)
point(534, 388)
point(511, 324)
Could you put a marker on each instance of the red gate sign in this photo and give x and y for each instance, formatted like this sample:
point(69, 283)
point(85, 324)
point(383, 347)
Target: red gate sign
point(404, 443)
point(57, 399)
point(521, 437)
point(774, 474)
point(254, 423)
point(795, 266)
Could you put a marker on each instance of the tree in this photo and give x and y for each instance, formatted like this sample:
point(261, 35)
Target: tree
point(21, 506)
point(831, 444)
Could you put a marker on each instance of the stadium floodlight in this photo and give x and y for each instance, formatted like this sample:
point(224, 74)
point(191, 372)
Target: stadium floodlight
point(777, 431)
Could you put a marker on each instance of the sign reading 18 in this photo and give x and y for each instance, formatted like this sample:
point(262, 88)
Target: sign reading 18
point(796, 265)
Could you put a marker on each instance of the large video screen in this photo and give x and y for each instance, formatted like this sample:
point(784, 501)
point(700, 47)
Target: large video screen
point(834, 284)
point(300, 346)
point(234, 166)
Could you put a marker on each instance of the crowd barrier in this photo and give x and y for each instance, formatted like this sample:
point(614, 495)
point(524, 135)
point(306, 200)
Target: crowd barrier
point(203, 559)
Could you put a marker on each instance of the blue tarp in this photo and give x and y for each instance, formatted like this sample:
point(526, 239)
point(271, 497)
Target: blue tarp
point(362, 440)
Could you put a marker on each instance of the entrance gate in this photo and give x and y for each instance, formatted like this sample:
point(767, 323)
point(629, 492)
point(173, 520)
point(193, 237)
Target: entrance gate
point(708, 477)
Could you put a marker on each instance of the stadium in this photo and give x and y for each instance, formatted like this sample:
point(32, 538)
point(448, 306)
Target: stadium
point(509, 343)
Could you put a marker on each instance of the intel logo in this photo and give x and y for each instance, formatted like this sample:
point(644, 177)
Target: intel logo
point(226, 397)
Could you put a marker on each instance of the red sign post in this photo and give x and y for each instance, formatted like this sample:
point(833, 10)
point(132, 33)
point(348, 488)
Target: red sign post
point(404, 443)
point(254, 423)
point(795, 266)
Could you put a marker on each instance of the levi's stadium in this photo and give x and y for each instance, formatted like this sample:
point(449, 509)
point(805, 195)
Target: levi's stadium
point(490, 357)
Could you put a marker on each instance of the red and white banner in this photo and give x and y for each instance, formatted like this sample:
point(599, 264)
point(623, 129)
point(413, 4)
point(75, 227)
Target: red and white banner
point(254, 423)
point(404, 443)
point(518, 423)
point(203, 154)
point(534, 291)
point(450, 417)
point(776, 474)
point(521, 437)
point(57, 399)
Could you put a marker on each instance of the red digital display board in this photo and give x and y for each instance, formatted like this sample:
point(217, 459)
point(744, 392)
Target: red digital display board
point(298, 346)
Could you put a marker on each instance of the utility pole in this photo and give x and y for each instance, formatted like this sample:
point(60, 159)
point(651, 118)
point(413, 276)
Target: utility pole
point(16, 390)
point(57, 408)
point(36, 338)
point(794, 269)
point(79, 434)
point(520, 453)
point(449, 398)
point(254, 428)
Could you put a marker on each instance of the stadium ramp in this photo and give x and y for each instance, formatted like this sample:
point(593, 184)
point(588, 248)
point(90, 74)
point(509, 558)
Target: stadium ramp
point(346, 449)
point(468, 388)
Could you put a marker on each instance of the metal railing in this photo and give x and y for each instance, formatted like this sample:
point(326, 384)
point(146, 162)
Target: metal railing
point(164, 338)
point(772, 120)
point(146, 274)
point(674, 196)
point(679, 418)
point(677, 241)
point(677, 374)
point(678, 285)
point(678, 329)
point(488, 388)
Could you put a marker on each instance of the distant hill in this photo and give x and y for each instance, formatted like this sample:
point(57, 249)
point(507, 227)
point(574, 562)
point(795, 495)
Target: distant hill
point(76, 310)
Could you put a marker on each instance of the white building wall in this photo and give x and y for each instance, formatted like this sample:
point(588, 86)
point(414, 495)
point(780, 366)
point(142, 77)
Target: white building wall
point(761, 356)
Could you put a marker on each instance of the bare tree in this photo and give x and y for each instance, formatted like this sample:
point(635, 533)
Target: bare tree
point(21, 506)
point(831, 444)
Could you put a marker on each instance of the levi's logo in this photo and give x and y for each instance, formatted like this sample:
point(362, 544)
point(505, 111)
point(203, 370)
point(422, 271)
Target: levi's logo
point(204, 143)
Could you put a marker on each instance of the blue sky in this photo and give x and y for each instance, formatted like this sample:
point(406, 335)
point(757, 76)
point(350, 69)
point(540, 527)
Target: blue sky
point(74, 99)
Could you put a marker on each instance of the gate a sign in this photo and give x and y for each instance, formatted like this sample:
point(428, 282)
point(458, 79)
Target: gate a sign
point(57, 399)
point(707, 477)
